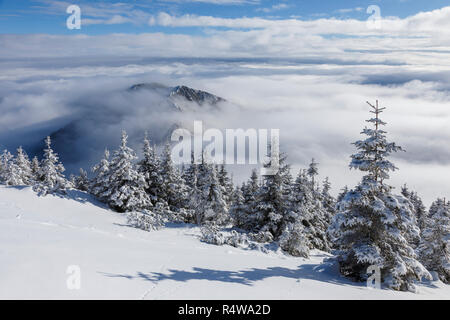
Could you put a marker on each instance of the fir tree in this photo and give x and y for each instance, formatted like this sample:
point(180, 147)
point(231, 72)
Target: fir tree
point(419, 208)
point(149, 167)
point(307, 210)
point(372, 225)
point(313, 171)
point(98, 186)
point(226, 183)
point(272, 205)
point(328, 202)
point(212, 205)
point(434, 250)
point(244, 214)
point(35, 169)
point(5, 162)
point(174, 190)
point(81, 182)
point(52, 178)
point(125, 185)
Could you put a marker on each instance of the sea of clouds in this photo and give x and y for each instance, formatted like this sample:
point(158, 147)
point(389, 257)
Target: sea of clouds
point(312, 85)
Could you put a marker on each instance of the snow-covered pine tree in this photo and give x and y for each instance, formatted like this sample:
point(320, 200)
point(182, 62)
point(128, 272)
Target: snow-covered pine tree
point(342, 194)
point(6, 159)
point(81, 182)
point(35, 169)
point(173, 189)
point(100, 181)
point(313, 171)
point(436, 205)
point(244, 214)
point(434, 250)
point(272, 199)
point(212, 206)
point(419, 208)
point(52, 178)
point(18, 172)
point(149, 166)
point(307, 209)
point(372, 225)
point(226, 183)
point(328, 201)
point(294, 240)
point(125, 185)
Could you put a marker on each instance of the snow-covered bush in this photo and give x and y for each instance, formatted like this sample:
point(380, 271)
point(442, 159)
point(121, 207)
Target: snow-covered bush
point(294, 241)
point(145, 220)
point(261, 237)
point(211, 234)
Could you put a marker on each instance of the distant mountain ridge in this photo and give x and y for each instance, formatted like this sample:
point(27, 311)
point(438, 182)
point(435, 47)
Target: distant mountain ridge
point(144, 107)
point(173, 93)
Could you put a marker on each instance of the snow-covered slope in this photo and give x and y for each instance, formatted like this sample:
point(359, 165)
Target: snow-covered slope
point(40, 237)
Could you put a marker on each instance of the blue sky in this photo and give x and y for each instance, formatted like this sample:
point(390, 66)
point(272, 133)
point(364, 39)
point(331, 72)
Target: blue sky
point(48, 16)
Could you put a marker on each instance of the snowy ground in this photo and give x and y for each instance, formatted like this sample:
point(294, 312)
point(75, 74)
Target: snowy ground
point(40, 237)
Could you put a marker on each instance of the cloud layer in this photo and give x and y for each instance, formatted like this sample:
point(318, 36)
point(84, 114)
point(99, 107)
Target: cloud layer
point(309, 78)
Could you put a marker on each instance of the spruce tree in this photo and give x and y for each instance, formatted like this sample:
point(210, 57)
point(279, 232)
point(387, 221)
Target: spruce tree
point(272, 205)
point(244, 214)
point(226, 183)
point(52, 178)
point(328, 202)
point(372, 225)
point(81, 182)
point(18, 171)
point(434, 250)
point(313, 171)
point(212, 207)
point(35, 169)
point(149, 166)
point(125, 190)
point(307, 210)
point(5, 162)
point(98, 185)
point(173, 188)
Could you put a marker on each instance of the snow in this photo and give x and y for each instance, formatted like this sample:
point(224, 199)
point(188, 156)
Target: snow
point(40, 237)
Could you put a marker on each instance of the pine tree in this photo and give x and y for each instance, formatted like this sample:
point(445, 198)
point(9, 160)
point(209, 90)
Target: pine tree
point(244, 214)
point(81, 182)
point(5, 162)
point(434, 250)
point(99, 184)
point(52, 178)
point(35, 169)
point(372, 225)
point(420, 211)
point(212, 206)
point(174, 190)
point(313, 171)
point(226, 183)
point(149, 167)
point(328, 202)
point(18, 171)
point(126, 186)
point(307, 210)
point(272, 205)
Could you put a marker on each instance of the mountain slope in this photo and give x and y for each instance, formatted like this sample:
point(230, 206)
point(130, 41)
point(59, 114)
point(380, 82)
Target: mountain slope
point(40, 237)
